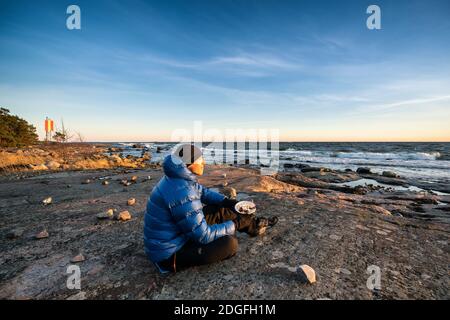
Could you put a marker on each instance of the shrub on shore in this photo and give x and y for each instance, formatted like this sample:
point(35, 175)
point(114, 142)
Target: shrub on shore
point(15, 131)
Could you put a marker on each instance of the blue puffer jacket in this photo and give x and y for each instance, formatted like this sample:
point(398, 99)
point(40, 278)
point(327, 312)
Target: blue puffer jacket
point(174, 212)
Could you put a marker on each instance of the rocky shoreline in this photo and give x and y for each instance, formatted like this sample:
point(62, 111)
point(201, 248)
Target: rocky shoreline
point(94, 219)
point(70, 156)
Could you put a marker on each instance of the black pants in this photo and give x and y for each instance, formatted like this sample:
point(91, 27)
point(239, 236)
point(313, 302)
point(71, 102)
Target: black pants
point(195, 254)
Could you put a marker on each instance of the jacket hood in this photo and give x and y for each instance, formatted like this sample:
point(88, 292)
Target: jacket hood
point(174, 167)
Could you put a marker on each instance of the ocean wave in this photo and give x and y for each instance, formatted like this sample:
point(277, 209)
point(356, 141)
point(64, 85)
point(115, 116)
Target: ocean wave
point(390, 156)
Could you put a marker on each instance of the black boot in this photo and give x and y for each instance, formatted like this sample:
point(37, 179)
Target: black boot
point(260, 225)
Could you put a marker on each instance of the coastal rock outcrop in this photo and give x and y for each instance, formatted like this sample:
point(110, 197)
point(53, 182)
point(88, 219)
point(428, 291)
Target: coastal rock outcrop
point(364, 170)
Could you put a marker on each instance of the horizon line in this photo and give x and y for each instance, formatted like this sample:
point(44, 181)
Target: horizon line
point(290, 141)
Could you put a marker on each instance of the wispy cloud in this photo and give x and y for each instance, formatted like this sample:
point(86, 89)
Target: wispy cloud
point(255, 60)
point(408, 102)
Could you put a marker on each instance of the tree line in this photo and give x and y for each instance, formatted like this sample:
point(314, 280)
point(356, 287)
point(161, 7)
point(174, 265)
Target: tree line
point(17, 132)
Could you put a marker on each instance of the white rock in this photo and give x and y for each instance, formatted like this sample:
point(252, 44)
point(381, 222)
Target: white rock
point(277, 254)
point(78, 296)
point(53, 165)
point(343, 271)
point(42, 235)
point(39, 167)
point(307, 273)
point(106, 214)
point(425, 276)
point(47, 201)
point(335, 237)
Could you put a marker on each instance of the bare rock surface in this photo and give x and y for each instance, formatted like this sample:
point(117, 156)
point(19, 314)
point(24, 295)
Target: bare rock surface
point(321, 227)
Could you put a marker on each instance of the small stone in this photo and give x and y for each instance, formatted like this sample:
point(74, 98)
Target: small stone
point(228, 277)
point(53, 165)
point(395, 273)
point(42, 235)
point(39, 167)
point(364, 171)
point(78, 258)
point(149, 177)
point(343, 271)
point(78, 296)
point(131, 201)
point(87, 181)
point(277, 254)
point(335, 237)
point(106, 215)
point(124, 216)
point(125, 183)
point(307, 274)
point(105, 183)
point(134, 178)
point(425, 276)
point(224, 184)
point(224, 175)
point(47, 201)
point(14, 234)
point(390, 174)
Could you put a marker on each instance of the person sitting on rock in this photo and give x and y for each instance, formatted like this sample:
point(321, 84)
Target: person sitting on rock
point(179, 231)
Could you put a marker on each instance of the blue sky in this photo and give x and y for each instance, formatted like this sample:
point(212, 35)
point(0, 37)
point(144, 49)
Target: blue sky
point(137, 70)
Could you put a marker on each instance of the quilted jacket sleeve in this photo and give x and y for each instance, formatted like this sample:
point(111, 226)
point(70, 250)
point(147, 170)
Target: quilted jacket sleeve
point(189, 217)
point(209, 196)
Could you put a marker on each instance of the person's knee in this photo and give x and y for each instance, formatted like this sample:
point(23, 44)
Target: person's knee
point(231, 243)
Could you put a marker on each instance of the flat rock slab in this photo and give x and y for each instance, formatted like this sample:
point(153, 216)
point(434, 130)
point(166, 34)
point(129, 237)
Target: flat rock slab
point(324, 228)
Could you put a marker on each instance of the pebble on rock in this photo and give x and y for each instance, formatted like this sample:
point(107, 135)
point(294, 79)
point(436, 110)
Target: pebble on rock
point(307, 274)
point(134, 178)
point(124, 216)
point(105, 183)
point(131, 201)
point(125, 183)
point(390, 174)
point(364, 170)
point(106, 214)
point(78, 258)
point(53, 165)
point(87, 181)
point(42, 235)
point(47, 201)
point(14, 234)
point(78, 296)
point(343, 271)
point(335, 237)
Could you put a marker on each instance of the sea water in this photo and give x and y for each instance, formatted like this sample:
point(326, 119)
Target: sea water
point(429, 162)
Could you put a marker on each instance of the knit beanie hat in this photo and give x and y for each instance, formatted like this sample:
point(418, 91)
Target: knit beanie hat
point(188, 153)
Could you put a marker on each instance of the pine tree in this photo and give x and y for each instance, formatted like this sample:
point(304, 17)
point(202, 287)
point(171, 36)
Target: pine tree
point(15, 131)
